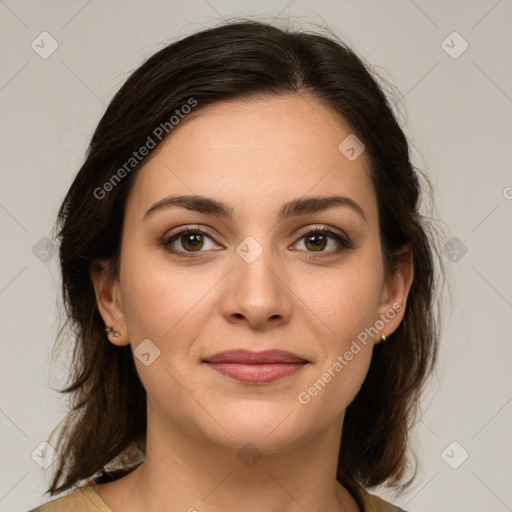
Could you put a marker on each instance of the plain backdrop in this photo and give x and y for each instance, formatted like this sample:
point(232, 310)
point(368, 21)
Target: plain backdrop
point(450, 62)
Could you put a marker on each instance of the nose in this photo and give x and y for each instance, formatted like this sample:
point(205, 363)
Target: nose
point(256, 294)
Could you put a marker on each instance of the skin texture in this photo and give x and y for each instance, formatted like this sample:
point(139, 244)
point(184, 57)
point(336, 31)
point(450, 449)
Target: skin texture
point(254, 155)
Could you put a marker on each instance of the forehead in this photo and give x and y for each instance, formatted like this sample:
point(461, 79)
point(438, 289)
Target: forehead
point(256, 154)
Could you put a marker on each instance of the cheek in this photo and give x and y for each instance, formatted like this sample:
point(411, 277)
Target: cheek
point(344, 352)
point(170, 309)
point(344, 303)
point(164, 303)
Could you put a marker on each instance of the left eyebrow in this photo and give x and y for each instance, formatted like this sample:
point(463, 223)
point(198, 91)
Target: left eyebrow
point(317, 204)
point(292, 208)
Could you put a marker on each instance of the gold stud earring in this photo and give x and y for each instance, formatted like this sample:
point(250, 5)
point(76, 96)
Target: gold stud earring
point(382, 337)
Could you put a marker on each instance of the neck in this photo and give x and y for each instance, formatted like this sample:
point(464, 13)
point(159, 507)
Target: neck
point(186, 472)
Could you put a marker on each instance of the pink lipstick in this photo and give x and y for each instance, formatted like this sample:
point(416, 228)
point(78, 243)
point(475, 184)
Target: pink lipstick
point(256, 367)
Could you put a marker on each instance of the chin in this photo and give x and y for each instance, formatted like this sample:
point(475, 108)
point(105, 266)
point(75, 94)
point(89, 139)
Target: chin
point(271, 428)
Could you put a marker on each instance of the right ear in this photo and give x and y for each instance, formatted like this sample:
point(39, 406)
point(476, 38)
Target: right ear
point(107, 289)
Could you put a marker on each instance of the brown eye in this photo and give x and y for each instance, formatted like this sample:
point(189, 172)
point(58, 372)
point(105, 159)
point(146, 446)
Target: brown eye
point(192, 242)
point(316, 242)
point(188, 241)
point(324, 241)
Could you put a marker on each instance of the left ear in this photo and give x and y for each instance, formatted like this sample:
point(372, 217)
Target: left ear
point(395, 290)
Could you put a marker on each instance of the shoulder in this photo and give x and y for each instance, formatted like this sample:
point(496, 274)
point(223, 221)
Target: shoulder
point(82, 499)
point(372, 503)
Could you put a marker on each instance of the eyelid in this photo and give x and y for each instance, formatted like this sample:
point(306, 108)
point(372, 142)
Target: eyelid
point(322, 227)
point(190, 228)
point(339, 236)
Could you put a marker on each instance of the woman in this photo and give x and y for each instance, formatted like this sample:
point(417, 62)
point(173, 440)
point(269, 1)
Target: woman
point(250, 285)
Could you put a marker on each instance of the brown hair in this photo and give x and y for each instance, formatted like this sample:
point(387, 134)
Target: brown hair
point(106, 424)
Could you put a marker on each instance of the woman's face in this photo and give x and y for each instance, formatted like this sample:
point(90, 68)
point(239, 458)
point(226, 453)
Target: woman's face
point(264, 275)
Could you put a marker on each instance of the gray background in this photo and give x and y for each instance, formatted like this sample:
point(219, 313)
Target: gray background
point(458, 116)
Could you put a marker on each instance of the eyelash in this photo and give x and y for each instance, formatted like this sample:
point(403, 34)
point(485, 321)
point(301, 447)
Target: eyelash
point(344, 242)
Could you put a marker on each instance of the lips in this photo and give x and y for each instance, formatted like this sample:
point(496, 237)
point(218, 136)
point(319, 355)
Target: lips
point(248, 357)
point(256, 367)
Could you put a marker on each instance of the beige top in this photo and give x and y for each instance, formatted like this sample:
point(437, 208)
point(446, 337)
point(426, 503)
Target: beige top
point(86, 499)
